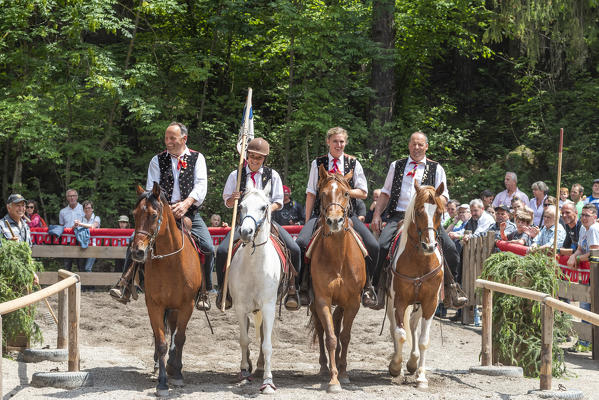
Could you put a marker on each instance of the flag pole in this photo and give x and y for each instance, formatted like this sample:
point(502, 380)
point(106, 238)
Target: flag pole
point(559, 180)
point(246, 117)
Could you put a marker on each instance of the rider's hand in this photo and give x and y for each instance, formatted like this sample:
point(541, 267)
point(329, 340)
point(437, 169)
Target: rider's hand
point(179, 209)
point(376, 223)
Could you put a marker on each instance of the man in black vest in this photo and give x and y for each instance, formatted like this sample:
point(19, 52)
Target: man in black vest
point(396, 195)
point(181, 173)
point(337, 161)
point(256, 174)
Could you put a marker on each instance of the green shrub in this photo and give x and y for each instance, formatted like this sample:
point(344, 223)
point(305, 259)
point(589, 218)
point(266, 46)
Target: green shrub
point(16, 280)
point(517, 321)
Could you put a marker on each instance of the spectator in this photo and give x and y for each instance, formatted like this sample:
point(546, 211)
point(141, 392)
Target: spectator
point(31, 213)
point(572, 225)
point(89, 221)
point(480, 222)
point(123, 224)
point(13, 226)
point(452, 212)
point(370, 212)
point(544, 238)
point(539, 191)
point(487, 197)
point(292, 212)
point(519, 236)
point(511, 191)
point(360, 210)
point(67, 216)
point(563, 196)
point(491, 211)
point(594, 197)
point(517, 204)
point(503, 225)
point(456, 229)
point(216, 222)
point(577, 196)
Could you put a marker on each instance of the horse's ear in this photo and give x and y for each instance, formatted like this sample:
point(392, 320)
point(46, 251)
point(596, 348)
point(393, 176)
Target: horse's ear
point(156, 190)
point(348, 176)
point(139, 190)
point(416, 185)
point(322, 172)
point(440, 189)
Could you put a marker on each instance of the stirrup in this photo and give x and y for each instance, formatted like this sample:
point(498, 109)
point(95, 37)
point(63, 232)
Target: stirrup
point(370, 299)
point(292, 300)
point(203, 301)
point(457, 297)
point(119, 295)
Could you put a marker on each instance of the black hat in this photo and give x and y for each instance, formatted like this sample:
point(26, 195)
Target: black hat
point(502, 207)
point(15, 198)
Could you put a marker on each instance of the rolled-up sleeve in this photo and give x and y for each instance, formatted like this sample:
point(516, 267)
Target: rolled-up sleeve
point(200, 183)
point(389, 180)
point(153, 173)
point(313, 179)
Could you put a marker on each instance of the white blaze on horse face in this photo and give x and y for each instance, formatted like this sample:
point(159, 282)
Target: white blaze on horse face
point(430, 210)
point(337, 224)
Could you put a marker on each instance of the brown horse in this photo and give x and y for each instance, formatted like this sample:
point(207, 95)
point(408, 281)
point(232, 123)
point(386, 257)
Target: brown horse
point(417, 279)
point(338, 276)
point(173, 276)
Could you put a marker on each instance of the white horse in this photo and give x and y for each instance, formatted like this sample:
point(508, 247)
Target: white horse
point(254, 276)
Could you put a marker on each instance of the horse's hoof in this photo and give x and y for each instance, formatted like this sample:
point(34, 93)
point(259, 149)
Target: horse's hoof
point(411, 368)
point(268, 387)
point(344, 379)
point(161, 392)
point(393, 371)
point(176, 382)
point(334, 388)
point(422, 385)
point(268, 390)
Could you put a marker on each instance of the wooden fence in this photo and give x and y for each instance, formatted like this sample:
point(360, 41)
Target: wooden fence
point(68, 289)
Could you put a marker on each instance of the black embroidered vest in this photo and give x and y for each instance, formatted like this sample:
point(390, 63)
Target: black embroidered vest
point(428, 178)
point(186, 177)
point(266, 177)
point(349, 164)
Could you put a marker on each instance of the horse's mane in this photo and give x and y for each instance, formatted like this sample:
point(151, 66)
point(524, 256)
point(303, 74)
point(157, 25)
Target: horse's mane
point(149, 196)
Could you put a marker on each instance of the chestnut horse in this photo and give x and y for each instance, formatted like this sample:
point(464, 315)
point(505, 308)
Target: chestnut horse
point(417, 268)
point(338, 276)
point(173, 276)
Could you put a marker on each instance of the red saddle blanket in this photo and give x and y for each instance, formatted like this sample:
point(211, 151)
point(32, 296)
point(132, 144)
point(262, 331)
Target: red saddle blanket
point(277, 246)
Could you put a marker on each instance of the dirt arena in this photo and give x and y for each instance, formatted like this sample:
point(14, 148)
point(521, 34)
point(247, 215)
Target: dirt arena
point(117, 349)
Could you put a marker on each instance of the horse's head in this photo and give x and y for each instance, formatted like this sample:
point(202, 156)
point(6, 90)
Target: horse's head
point(333, 190)
point(428, 207)
point(255, 211)
point(148, 219)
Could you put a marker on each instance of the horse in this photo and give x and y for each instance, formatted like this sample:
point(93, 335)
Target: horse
point(173, 276)
point(417, 269)
point(338, 275)
point(254, 277)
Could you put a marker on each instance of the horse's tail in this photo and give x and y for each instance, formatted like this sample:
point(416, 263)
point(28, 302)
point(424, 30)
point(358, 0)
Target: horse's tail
point(166, 328)
point(258, 325)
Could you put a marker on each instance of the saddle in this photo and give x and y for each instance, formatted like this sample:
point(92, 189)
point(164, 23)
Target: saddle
point(186, 223)
point(318, 234)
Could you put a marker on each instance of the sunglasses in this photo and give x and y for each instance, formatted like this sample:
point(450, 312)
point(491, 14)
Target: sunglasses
point(30, 207)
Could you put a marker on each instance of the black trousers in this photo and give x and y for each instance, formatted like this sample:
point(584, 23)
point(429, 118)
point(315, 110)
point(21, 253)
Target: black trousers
point(223, 249)
point(368, 238)
point(451, 254)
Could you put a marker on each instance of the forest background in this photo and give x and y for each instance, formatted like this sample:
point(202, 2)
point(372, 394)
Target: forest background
point(88, 87)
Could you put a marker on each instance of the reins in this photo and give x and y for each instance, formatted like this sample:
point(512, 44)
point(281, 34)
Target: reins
point(344, 208)
point(153, 237)
point(258, 224)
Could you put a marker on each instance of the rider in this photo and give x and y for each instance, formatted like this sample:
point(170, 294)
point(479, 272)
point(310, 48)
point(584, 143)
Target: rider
point(395, 197)
point(181, 173)
point(256, 174)
point(338, 162)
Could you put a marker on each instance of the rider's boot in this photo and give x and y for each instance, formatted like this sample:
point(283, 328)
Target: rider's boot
point(219, 300)
point(369, 297)
point(454, 295)
point(121, 291)
point(203, 301)
point(292, 300)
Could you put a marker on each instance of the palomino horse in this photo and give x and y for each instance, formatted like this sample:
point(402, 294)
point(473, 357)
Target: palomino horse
point(338, 276)
point(254, 276)
point(417, 268)
point(173, 276)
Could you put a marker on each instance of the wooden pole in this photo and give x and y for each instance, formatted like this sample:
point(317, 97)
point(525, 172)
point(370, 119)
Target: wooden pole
point(63, 323)
point(546, 346)
point(487, 334)
point(74, 306)
point(248, 106)
point(1, 358)
point(594, 282)
point(559, 182)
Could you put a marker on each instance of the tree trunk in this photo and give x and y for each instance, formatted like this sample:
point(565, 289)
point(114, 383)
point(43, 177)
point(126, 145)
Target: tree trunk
point(382, 76)
point(5, 168)
point(289, 110)
point(18, 170)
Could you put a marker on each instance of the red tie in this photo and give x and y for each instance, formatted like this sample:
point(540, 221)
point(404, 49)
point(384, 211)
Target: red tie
point(335, 168)
point(180, 161)
point(252, 175)
point(412, 172)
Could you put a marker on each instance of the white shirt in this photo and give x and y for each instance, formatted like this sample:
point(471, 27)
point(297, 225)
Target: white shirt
point(407, 184)
point(537, 211)
point(589, 237)
point(276, 185)
point(506, 199)
point(200, 182)
point(359, 179)
point(94, 218)
point(485, 222)
point(68, 215)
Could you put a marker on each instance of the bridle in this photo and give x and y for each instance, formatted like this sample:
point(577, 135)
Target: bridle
point(258, 225)
point(154, 235)
point(345, 209)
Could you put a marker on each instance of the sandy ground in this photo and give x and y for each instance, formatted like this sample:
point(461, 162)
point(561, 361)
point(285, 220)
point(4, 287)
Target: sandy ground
point(117, 349)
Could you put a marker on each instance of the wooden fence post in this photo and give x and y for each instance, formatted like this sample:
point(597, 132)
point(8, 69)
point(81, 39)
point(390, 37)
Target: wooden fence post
point(1, 358)
point(61, 341)
point(546, 346)
point(74, 304)
point(487, 334)
point(594, 282)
